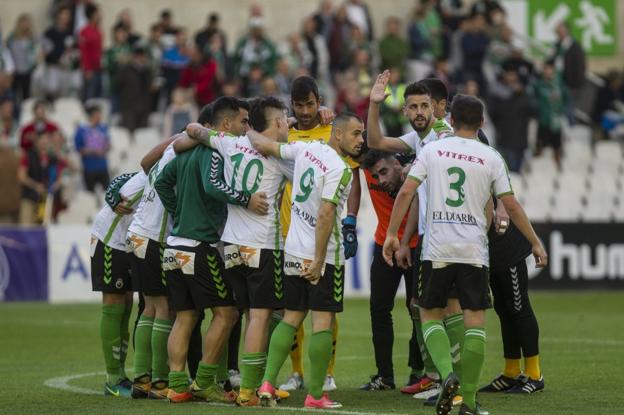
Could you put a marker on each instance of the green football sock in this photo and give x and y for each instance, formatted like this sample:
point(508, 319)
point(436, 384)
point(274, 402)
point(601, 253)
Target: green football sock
point(206, 375)
point(455, 330)
point(110, 336)
point(430, 368)
point(125, 339)
point(438, 346)
point(252, 369)
point(279, 347)
point(320, 353)
point(275, 320)
point(222, 370)
point(143, 347)
point(160, 335)
point(473, 356)
point(178, 381)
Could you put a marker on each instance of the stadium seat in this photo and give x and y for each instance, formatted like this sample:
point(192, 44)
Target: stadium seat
point(567, 207)
point(537, 208)
point(81, 210)
point(26, 111)
point(604, 183)
point(69, 109)
point(608, 151)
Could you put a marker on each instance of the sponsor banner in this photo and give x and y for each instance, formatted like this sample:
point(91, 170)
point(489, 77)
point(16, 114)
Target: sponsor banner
point(23, 264)
point(69, 272)
point(581, 256)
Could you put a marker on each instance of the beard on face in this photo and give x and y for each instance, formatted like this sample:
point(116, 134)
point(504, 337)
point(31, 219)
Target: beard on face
point(420, 119)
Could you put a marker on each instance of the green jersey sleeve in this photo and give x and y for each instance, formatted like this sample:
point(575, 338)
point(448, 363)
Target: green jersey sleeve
point(214, 184)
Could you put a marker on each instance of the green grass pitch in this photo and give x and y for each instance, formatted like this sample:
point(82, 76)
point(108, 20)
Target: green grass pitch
point(582, 344)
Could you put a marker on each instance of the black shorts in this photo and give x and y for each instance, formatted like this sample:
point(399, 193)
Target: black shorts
point(148, 275)
point(418, 280)
point(199, 281)
point(472, 286)
point(327, 295)
point(261, 287)
point(92, 178)
point(110, 270)
point(548, 138)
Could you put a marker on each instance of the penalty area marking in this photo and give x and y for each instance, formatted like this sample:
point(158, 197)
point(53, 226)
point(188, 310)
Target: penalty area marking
point(62, 383)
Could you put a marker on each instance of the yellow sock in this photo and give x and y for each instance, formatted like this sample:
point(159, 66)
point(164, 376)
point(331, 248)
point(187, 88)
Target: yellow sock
point(512, 368)
point(532, 367)
point(332, 362)
point(246, 394)
point(297, 350)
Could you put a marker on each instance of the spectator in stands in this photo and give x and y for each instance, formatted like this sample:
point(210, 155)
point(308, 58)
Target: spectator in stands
point(551, 97)
point(295, 52)
point(474, 46)
point(169, 29)
point(40, 124)
point(442, 71)
point(174, 60)
point(200, 75)
point(420, 45)
point(155, 52)
point(92, 141)
point(8, 124)
point(116, 55)
point(284, 77)
point(608, 112)
point(324, 19)
point(180, 113)
point(59, 48)
point(522, 66)
point(392, 108)
point(124, 18)
point(393, 48)
point(318, 66)
point(254, 49)
point(569, 59)
point(10, 185)
point(339, 42)
point(499, 50)
point(90, 43)
point(361, 71)
point(204, 37)
point(23, 47)
point(358, 15)
point(253, 86)
point(134, 82)
point(38, 174)
point(510, 108)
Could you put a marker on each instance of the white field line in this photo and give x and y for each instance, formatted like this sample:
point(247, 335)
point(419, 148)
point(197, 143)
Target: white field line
point(62, 383)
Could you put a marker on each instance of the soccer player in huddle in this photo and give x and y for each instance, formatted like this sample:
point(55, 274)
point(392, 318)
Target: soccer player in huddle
point(193, 192)
point(419, 109)
point(253, 243)
point(110, 275)
point(312, 122)
point(314, 258)
point(462, 173)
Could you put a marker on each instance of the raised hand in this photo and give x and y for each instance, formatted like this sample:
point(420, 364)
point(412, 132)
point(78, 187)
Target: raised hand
point(378, 91)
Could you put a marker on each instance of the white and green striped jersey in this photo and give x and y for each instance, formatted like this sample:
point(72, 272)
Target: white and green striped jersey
point(320, 174)
point(245, 169)
point(462, 176)
point(111, 228)
point(151, 220)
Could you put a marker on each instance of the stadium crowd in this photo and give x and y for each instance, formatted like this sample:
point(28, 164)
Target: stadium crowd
point(173, 73)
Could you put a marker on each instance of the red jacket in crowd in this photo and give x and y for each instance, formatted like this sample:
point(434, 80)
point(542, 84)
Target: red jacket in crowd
point(203, 79)
point(90, 43)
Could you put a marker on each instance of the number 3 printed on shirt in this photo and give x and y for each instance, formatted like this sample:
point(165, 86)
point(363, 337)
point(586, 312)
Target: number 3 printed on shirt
point(457, 186)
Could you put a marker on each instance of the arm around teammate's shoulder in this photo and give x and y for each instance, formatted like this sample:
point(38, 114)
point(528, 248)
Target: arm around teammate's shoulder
point(263, 144)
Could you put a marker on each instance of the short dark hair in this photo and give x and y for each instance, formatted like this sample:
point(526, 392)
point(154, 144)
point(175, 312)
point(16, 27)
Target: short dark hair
point(40, 103)
point(467, 112)
point(166, 13)
point(91, 109)
point(301, 88)
point(416, 88)
point(244, 104)
point(205, 115)
point(257, 113)
point(345, 117)
point(373, 156)
point(90, 10)
point(436, 87)
point(224, 107)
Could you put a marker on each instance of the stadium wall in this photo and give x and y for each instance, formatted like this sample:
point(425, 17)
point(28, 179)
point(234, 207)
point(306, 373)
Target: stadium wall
point(53, 264)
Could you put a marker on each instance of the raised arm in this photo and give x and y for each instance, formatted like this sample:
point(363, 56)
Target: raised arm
point(152, 157)
point(375, 139)
point(264, 145)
